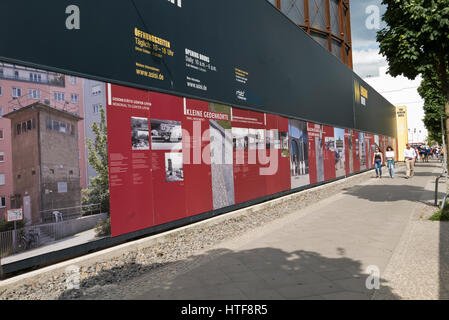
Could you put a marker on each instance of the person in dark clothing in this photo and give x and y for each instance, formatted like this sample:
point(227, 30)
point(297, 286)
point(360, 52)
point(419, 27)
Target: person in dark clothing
point(378, 160)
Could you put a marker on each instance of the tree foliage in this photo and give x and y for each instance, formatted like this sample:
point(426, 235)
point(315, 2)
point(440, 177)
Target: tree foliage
point(415, 42)
point(433, 109)
point(98, 192)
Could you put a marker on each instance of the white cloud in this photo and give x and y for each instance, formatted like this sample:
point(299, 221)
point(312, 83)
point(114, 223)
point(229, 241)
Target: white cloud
point(367, 62)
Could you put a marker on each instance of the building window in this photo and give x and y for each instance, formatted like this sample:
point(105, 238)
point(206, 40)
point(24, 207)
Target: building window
point(1, 134)
point(0, 91)
point(16, 74)
point(56, 125)
point(73, 80)
point(1, 112)
point(49, 124)
point(52, 171)
point(74, 98)
point(1, 73)
point(34, 94)
point(62, 187)
point(59, 96)
point(16, 92)
point(19, 129)
point(2, 156)
point(35, 77)
point(2, 202)
point(96, 90)
point(2, 179)
point(97, 108)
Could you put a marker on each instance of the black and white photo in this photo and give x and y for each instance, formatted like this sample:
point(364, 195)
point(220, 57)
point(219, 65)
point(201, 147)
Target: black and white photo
point(166, 135)
point(140, 134)
point(174, 170)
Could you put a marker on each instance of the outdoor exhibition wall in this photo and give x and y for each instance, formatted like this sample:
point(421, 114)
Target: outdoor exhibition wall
point(240, 53)
point(229, 80)
point(172, 157)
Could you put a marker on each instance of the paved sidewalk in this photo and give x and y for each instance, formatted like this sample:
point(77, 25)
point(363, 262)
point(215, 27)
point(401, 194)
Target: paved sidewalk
point(68, 242)
point(320, 252)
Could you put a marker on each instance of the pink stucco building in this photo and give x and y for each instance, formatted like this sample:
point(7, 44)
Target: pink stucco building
point(22, 86)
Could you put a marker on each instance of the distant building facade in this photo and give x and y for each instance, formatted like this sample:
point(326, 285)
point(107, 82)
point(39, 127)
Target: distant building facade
point(94, 100)
point(22, 86)
point(45, 166)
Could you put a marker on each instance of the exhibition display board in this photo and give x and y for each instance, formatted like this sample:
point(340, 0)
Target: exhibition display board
point(210, 106)
point(171, 157)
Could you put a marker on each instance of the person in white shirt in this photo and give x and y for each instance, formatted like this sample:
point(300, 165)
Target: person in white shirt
point(410, 156)
point(390, 155)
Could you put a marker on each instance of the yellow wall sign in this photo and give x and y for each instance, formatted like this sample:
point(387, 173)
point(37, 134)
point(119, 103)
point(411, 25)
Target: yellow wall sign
point(357, 91)
point(364, 92)
point(360, 93)
point(402, 133)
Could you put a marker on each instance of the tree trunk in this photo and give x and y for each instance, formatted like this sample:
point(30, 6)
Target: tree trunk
point(446, 112)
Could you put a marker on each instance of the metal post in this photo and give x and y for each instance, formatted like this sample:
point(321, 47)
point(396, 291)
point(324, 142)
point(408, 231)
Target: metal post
point(14, 236)
point(444, 145)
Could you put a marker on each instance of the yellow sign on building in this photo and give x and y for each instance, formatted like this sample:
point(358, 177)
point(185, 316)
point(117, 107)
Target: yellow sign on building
point(402, 133)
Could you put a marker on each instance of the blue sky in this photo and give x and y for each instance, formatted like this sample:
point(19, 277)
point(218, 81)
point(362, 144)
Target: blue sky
point(364, 45)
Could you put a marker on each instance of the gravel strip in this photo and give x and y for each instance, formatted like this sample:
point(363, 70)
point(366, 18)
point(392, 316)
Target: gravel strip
point(173, 248)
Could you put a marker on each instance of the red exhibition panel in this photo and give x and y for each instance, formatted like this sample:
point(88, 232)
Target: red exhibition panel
point(368, 146)
point(356, 150)
point(284, 160)
point(277, 177)
point(248, 128)
point(197, 169)
point(130, 185)
point(348, 152)
point(167, 158)
point(315, 149)
point(329, 153)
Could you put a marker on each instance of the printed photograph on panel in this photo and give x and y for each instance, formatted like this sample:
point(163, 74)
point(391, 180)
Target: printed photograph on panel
point(319, 152)
point(166, 135)
point(240, 138)
point(140, 133)
point(351, 148)
point(299, 160)
point(340, 152)
point(60, 182)
point(221, 149)
point(174, 170)
point(256, 139)
point(284, 144)
point(272, 140)
point(362, 150)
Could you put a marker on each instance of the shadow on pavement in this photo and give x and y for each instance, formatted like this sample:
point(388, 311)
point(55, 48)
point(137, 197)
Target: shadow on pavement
point(399, 188)
point(388, 193)
point(262, 273)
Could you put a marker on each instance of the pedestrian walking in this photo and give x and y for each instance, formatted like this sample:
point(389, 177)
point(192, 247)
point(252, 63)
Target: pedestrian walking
point(410, 156)
point(377, 161)
point(389, 155)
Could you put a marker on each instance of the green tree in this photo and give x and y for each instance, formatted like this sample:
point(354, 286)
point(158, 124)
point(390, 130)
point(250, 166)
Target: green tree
point(433, 109)
point(416, 42)
point(98, 192)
